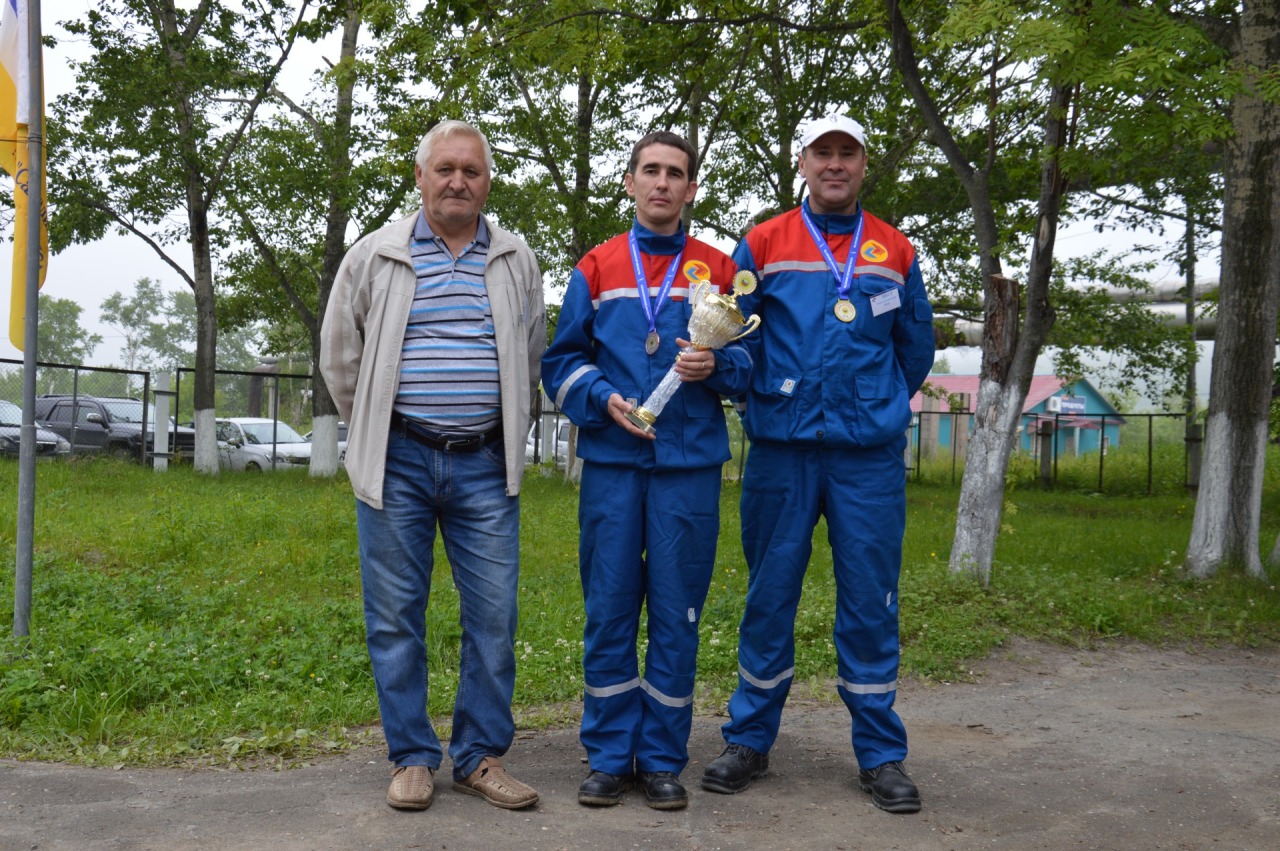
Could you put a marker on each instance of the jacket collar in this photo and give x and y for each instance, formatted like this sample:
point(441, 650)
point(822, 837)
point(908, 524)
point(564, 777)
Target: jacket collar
point(834, 222)
point(656, 243)
point(398, 234)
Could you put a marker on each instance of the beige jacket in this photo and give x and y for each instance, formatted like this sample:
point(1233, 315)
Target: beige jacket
point(363, 330)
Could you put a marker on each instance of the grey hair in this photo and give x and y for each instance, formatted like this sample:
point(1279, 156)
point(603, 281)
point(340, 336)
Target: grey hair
point(446, 129)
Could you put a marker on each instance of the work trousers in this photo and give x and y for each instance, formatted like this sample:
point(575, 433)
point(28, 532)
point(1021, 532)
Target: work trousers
point(861, 493)
point(647, 539)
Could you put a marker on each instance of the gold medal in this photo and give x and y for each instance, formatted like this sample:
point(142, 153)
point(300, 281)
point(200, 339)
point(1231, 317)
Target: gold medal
point(651, 343)
point(845, 310)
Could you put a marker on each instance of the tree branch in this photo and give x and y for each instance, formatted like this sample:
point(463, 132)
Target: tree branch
point(215, 178)
point(131, 228)
point(1155, 211)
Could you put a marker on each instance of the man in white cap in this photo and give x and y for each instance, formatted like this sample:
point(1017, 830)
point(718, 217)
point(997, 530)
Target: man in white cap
point(846, 339)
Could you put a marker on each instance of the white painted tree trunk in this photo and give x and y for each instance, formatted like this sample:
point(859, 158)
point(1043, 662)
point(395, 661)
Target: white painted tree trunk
point(206, 457)
point(1009, 352)
point(324, 445)
point(981, 505)
point(1225, 529)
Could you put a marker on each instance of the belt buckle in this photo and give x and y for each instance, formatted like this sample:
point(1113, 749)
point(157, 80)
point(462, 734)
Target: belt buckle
point(464, 444)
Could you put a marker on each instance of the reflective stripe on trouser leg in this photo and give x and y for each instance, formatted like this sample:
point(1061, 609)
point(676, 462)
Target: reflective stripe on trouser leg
point(682, 527)
point(779, 510)
point(610, 513)
point(866, 545)
point(673, 518)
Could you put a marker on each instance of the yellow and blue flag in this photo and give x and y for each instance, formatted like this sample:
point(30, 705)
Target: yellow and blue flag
point(15, 117)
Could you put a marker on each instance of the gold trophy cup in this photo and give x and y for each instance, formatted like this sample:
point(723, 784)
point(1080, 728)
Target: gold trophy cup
point(715, 322)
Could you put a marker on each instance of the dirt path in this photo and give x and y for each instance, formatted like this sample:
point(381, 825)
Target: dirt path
point(1123, 748)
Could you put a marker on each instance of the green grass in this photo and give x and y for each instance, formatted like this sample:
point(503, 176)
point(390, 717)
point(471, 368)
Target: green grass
point(187, 619)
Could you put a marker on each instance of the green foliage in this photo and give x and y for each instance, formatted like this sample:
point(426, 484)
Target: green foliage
point(564, 88)
point(60, 335)
point(159, 330)
point(1090, 316)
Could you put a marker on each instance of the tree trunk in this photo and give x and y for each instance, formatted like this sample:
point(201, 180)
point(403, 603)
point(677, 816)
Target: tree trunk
point(1008, 362)
point(578, 241)
point(324, 457)
point(206, 456)
point(997, 413)
point(1226, 526)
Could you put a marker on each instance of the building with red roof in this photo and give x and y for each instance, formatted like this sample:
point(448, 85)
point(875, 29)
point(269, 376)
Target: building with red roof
point(1080, 418)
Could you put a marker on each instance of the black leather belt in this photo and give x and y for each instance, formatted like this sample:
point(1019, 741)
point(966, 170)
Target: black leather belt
point(444, 442)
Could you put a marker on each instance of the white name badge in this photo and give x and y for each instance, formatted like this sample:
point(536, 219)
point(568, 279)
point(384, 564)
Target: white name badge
point(888, 300)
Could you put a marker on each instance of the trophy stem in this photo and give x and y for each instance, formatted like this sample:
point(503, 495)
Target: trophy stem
point(644, 415)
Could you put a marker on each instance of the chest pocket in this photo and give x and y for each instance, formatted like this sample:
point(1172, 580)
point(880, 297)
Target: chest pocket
point(869, 325)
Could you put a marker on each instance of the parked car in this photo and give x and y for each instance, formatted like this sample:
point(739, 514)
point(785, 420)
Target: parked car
point(257, 443)
point(109, 424)
point(561, 447)
point(342, 441)
point(48, 444)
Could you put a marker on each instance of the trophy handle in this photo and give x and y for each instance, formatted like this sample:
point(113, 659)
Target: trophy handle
point(750, 325)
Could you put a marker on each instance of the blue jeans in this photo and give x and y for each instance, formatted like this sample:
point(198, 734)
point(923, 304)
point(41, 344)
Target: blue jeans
point(465, 493)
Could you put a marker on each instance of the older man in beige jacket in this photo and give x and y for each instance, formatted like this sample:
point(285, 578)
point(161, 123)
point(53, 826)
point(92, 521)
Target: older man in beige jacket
point(431, 348)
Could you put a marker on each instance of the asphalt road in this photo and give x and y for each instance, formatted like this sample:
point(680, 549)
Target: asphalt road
point(1126, 747)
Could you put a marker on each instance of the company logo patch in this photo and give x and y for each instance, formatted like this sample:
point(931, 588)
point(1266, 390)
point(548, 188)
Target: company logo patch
point(696, 271)
point(874, 252)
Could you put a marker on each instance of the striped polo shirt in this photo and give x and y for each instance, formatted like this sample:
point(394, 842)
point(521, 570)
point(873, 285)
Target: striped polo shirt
point(449, 361)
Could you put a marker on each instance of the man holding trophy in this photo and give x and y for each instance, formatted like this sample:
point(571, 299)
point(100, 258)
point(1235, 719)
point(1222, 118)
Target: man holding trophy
point(649, 510)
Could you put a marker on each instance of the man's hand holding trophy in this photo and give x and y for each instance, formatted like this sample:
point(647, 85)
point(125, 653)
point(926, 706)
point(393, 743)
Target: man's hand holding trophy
point(715, 322)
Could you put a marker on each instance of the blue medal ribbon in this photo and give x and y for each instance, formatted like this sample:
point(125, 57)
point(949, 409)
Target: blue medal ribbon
point(843, 282)
point(651, 309)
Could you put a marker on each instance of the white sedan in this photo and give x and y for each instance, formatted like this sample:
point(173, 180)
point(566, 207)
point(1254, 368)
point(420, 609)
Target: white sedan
point(256, 443)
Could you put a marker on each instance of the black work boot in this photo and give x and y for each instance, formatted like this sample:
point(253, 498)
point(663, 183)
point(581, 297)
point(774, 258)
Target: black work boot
point(890, 787)
point(734, 769)
point(604, 790)
point(663, 790)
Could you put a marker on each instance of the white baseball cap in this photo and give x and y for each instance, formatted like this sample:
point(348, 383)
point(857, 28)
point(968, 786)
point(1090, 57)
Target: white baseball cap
point(833, 122)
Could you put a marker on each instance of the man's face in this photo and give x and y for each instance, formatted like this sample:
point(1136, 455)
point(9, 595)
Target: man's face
point(833, 167)
point(455, 183)
point(661, 187)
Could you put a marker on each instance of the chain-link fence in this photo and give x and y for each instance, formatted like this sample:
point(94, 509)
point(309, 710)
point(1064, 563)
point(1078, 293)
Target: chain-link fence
point(1123, 453)
point(263, 392)
point(98, 410)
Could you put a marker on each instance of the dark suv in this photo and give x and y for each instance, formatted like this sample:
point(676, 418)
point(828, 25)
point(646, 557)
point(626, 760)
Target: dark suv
point(109, 424)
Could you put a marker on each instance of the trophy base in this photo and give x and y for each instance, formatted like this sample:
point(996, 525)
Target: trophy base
point(641, 419)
